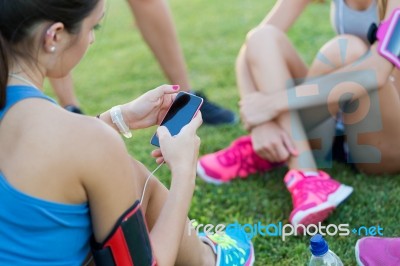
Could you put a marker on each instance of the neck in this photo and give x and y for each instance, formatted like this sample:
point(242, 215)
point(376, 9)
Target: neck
point(20, 76)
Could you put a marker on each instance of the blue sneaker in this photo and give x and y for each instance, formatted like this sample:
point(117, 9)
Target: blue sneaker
point(74, 109)
point(231, 248)
point(215, 115)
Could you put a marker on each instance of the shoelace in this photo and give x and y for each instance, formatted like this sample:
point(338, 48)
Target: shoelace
point(227, 243)
point(243, 155)
point(319, 188)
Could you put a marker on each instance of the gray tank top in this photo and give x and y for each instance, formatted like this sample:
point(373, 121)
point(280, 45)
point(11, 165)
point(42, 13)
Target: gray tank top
point(346, 20)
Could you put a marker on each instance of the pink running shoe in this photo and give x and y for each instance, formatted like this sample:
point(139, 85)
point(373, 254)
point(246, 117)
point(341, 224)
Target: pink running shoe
point(237, 160)
point(314, 198)
point(376, 251)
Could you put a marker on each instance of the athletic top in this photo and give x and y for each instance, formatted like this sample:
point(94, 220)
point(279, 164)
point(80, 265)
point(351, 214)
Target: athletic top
point(34, 231)
point(346, 20)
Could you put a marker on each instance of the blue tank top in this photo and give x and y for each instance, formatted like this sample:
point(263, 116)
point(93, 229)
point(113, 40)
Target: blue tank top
point(346, 20)
point(35, 231)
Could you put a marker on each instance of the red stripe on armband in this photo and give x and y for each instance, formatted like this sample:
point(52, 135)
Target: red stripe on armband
point(128, 244)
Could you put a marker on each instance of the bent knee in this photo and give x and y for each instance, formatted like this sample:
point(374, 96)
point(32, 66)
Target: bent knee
point(265, 37)
point(265, 32)
point(343, 50)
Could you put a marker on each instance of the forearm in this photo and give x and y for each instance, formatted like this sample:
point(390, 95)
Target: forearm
point(106, 117)
point(156, 25)
point(167, 233)
point(284, 13)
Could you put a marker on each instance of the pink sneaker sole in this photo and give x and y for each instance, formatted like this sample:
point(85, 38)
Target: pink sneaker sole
point(320, 212)
point(202, 174)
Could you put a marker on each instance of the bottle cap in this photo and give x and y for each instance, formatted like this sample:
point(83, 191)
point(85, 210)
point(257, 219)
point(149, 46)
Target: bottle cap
point(318, 245)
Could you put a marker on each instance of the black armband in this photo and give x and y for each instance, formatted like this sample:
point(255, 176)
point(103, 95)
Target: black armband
point(128, 244)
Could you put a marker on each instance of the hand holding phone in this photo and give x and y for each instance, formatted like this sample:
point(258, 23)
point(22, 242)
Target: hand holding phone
point(181, 112)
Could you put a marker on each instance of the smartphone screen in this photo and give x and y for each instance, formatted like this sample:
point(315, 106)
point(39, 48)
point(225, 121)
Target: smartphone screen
point(181, 112)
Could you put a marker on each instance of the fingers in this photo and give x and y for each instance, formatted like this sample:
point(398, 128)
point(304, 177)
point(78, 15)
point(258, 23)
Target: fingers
point(282, 154)
point(288, 142)
point(158, 156)
point(284, 149)
point(156, 153)
point(274, 152)
point(278, 150)
point(191, 128)
point(166, 89)
point(163, 133)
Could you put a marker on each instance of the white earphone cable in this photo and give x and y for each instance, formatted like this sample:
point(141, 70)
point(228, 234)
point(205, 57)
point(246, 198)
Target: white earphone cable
point(147, 180)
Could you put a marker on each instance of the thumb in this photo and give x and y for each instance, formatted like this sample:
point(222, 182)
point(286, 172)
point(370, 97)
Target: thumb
point(195, 123)
point(158, 93)
point(166, 89)
point(163, 132)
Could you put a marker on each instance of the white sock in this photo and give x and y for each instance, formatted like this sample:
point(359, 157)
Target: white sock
point(310, 173)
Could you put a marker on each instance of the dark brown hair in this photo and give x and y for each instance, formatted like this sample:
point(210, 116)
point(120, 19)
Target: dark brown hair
point(17, 17)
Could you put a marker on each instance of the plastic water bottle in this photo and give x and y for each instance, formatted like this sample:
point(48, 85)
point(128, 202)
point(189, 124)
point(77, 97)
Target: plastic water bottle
point(321, 254)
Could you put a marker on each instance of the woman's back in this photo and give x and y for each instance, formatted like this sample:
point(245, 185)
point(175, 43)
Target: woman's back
point(44, 207)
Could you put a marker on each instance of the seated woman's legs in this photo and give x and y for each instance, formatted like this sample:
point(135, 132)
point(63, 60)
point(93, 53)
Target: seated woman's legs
point(266, 65)
point(365, 127)
point(280, 63)
point(193, 249)
point(340, 51)
point(313, 198)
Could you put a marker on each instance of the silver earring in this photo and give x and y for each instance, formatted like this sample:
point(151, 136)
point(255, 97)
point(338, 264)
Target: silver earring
point(52, 49)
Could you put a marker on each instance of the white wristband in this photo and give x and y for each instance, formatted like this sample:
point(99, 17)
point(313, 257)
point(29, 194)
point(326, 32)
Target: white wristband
point(118, 120)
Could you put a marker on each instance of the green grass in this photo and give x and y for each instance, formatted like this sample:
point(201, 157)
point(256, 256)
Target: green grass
point(120, 67)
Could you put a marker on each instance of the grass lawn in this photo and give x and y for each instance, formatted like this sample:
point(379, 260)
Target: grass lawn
point(120, 67)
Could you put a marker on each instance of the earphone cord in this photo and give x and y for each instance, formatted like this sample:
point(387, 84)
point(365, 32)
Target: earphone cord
point(147, 180)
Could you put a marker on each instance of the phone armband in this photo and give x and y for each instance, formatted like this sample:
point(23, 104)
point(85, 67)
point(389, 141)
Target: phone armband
point(128, 244)
point(388, 36)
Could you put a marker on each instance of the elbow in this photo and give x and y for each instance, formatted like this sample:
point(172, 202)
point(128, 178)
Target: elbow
point(382, 77)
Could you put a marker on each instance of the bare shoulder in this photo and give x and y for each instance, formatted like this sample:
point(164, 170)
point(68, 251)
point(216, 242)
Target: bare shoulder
point(91, 140)
point(75, 142)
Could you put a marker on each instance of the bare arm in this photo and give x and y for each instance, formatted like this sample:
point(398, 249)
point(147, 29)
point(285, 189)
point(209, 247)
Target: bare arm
point(155, 22)
point(350, 83)
point(110, 179)
point(284, 13)
point(146, 110)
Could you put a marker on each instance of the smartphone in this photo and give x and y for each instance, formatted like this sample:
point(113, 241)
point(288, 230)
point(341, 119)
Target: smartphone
point(181, 112)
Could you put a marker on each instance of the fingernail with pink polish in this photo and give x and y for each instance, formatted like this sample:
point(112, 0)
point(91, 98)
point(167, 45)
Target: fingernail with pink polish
point(175, 87)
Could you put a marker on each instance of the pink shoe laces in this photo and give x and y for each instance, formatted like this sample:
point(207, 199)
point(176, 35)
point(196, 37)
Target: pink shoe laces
point(309, 190)
point(241, 153)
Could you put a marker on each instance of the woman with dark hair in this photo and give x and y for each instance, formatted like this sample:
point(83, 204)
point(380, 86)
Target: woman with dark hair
point(65, 177)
